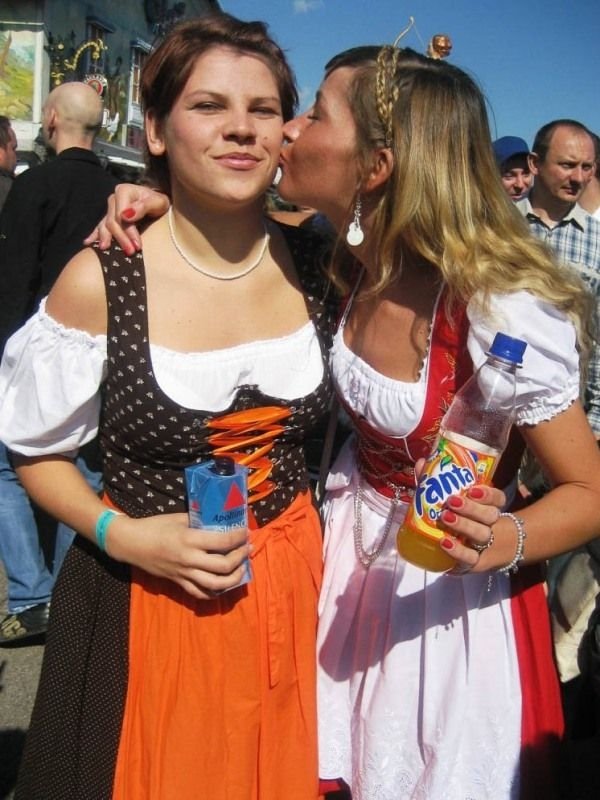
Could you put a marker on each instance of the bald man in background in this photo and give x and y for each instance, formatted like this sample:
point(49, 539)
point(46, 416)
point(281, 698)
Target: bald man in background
point(48, 213)
point(52, 207)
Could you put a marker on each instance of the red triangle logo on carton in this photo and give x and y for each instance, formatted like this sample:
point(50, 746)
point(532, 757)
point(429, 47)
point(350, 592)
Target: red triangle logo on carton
point(234, 499)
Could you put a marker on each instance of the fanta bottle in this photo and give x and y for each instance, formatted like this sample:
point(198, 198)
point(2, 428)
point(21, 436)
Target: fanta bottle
point(472, 436)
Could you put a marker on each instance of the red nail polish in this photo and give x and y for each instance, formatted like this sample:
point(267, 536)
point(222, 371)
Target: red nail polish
point(128, 213)
point(476, 492)
point(449, 516)
point(456, 502)
point(447, 544)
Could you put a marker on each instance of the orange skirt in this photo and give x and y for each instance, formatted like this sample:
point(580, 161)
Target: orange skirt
point(221, 697)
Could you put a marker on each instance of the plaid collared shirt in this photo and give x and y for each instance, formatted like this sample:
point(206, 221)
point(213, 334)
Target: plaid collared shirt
point(576, 241)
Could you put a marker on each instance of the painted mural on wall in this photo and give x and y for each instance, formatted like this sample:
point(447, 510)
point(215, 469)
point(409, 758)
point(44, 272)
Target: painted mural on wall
point(115, 104)
point(17, 61)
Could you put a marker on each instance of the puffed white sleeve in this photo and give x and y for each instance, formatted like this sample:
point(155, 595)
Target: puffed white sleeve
point(50, 380)
point(548, 381)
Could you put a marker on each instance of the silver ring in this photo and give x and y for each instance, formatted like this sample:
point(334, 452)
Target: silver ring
point(481, 547)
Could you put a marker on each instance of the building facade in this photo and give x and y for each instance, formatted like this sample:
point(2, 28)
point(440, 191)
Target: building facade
point(104, 43)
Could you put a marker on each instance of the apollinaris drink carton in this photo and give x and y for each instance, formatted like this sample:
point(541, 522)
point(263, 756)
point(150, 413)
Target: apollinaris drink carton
point(218, 498)
point(472, 437)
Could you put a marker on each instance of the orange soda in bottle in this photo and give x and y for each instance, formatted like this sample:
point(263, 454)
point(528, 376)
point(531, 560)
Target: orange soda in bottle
point(472, 437)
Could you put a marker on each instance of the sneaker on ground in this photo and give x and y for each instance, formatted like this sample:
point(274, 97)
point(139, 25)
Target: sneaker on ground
point(24, 624)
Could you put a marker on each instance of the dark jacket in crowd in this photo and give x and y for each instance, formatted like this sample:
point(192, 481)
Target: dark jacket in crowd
point(50, 209)
point(6, 182)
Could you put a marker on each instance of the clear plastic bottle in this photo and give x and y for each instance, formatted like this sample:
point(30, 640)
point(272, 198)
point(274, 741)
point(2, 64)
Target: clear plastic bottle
point(472, 436)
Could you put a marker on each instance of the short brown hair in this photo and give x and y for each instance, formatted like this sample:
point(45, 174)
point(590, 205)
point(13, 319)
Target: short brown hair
point(541, 143)
point(596, 140)
point(170, 65)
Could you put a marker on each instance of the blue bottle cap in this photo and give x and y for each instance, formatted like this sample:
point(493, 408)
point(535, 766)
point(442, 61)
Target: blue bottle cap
point(507, 348)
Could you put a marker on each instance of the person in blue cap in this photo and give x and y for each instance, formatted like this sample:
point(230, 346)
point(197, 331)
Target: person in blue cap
point(512, 158)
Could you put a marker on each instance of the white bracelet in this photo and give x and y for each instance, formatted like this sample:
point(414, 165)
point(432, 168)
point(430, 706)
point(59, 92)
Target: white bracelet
point(513, 566)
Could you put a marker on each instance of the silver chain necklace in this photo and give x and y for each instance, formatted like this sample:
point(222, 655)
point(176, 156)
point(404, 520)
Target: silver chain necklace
point(367, 557)
point(207, 273)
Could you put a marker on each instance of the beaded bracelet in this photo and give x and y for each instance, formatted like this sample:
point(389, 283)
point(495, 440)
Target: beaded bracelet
point(102, 525)
point(513, 566)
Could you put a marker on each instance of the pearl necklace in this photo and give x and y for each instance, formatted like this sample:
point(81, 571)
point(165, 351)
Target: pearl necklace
point(207, 273)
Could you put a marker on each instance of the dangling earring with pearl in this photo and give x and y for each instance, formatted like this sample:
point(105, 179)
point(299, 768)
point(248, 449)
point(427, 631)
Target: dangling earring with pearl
point(355, 235)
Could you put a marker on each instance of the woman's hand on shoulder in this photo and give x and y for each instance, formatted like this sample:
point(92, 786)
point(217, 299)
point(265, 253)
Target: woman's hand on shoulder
point(200, 562)
point(129, 204)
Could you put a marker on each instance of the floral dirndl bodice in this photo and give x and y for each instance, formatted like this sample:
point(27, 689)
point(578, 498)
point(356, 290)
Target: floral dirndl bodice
point(387, 462)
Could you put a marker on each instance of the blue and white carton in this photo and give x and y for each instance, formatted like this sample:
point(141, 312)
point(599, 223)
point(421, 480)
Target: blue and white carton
point(218, 498)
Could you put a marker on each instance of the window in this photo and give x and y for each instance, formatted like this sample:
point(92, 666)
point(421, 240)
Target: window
point(96, 30)
point(138, 57)
point(139, 54)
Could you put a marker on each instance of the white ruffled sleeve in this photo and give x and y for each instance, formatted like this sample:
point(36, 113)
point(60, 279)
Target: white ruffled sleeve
point(49, 387)
point(548, 381)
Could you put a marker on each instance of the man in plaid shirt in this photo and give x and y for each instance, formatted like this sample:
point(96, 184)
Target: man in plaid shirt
point(563, 163)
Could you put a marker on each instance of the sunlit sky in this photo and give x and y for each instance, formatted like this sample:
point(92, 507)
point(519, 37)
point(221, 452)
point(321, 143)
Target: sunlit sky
point(536, 60)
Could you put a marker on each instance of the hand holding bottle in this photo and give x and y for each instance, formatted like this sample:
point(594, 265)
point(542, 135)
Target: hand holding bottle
point(467, 521)
point(472, 436)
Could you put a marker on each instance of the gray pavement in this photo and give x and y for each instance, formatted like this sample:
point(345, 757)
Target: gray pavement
point(19, 673)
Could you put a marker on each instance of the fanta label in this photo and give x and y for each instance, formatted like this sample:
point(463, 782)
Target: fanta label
point(451, 468)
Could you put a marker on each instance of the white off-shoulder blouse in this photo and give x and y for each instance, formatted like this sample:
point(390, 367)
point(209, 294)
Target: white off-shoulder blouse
point(547, 383)
point(50, 375)
point(50, 380)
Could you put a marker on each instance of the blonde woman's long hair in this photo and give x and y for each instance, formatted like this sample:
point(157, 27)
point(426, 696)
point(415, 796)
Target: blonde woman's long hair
point(444, 202)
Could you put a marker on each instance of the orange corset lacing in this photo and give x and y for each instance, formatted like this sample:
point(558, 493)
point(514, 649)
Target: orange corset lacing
point(247, 437)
